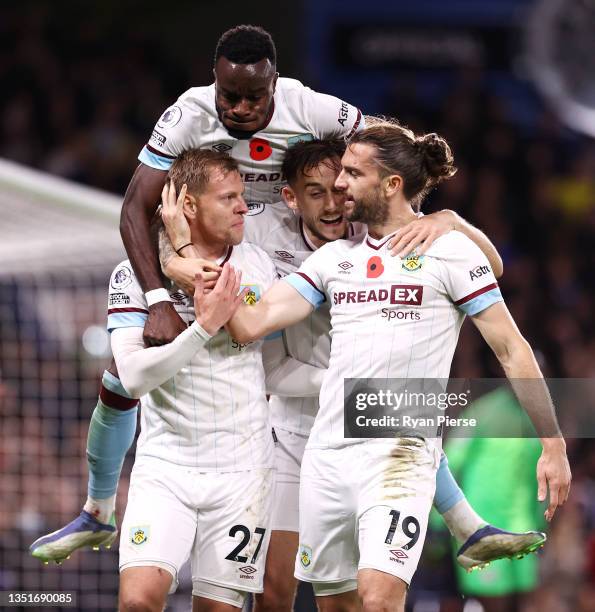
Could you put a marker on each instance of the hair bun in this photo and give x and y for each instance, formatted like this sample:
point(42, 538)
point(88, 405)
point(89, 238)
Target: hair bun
point(438, 158)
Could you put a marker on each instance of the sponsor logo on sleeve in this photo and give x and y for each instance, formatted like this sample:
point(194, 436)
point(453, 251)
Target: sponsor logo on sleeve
point(254, 208)
point(122, 278)
point(170, 117)
point(157, 138)
point(118, 298)
point(343, 113)
point(478, 272)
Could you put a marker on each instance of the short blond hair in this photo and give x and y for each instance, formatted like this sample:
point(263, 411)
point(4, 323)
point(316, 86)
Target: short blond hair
point(194, 166)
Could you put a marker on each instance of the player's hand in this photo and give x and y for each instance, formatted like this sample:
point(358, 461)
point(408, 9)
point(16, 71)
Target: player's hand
point(213, 310)
point(421, 233)
point(172, 213)
point(183, 272)
point(162, 325)
point(553, 473)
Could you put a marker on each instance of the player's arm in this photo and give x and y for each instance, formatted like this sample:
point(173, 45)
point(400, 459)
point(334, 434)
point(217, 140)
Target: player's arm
point(281, 306)
point(286, 376)
point(140, 203)
point(421, 233)
point(330, 117)
point(516, 357)
point(175, 240)
point(143, 369)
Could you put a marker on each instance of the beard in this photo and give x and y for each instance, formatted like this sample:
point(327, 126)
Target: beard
point(371, 209)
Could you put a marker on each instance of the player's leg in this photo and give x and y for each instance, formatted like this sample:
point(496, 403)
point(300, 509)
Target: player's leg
point(229, 552)
point(397, 480)
point(158, 532)
point(279, 582)
point(337, 597)
point(111, 433)
point(381, 592)
point(327, 553)
point(143, 589)
point(218, 599)
point(481, 542)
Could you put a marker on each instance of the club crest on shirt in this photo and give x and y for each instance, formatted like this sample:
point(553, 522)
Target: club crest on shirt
point(139, 535)
point(253, 294)
point(305, 555)
point(412, 262)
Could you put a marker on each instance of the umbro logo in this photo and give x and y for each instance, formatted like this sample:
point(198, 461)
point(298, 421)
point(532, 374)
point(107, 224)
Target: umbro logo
point(221, 147)
point(345, 265)
point(178, 297)
point(284, 255)
point(248, 569)
point(399, 554)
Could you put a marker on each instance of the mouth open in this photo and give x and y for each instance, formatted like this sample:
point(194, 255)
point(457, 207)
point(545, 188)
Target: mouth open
point(335, 221)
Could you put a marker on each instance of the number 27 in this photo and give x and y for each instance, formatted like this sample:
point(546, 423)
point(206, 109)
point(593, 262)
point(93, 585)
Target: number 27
point(234, 555)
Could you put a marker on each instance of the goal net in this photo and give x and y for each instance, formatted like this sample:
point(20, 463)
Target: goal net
point(59, 243)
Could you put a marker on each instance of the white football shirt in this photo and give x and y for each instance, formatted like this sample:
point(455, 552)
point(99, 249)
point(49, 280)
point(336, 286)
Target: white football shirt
point(390, 318)
point(281, 234)
point(213, 414)
point(299, 113)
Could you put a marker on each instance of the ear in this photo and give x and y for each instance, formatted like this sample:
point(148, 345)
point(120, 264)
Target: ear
point(275, 81)
point(190, 207)
point(289, 197)
point(392, 185)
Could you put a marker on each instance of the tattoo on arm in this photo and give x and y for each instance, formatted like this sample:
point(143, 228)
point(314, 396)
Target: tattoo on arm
point(166, 248)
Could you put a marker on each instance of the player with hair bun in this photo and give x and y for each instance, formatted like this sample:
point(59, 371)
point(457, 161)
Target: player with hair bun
point(364, 502)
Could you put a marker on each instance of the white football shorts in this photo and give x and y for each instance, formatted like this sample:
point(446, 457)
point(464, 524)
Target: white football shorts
point(363, 506)
point(289, 450)
point(221, 521)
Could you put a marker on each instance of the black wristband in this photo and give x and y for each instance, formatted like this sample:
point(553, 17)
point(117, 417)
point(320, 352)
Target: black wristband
point(183, 247)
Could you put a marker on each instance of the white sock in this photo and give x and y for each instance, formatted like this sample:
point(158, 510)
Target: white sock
point(101, 509)
point(462, 521)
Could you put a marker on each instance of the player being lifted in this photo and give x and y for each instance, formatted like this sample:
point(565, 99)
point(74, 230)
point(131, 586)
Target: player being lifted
point(353, 520)
point(201, 483)
point(255, 116)
point(311, 169)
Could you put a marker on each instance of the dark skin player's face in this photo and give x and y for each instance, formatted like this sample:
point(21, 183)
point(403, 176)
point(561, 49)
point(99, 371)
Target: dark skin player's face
point(244, 93)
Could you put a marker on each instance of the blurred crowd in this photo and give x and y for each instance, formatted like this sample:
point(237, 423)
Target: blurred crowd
point(80, 105)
